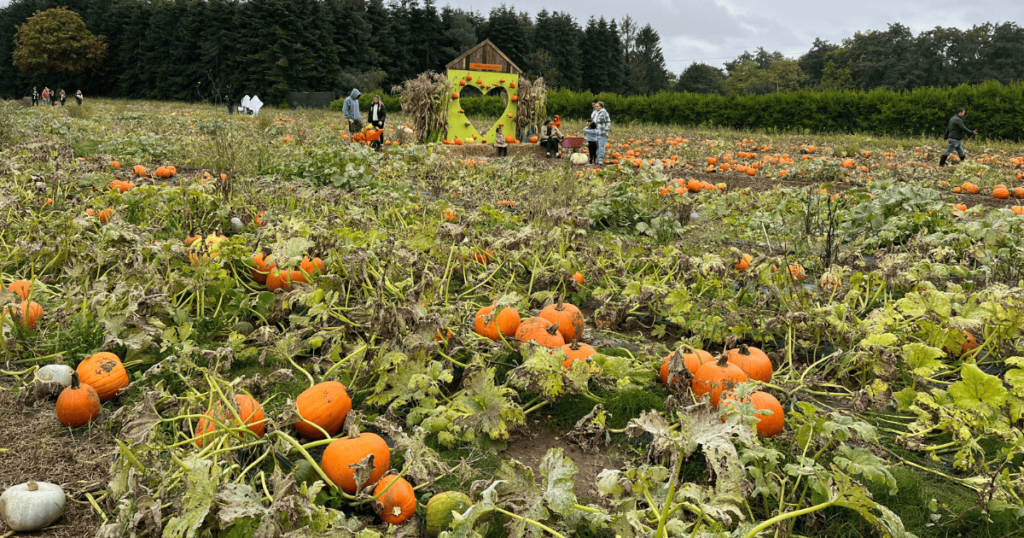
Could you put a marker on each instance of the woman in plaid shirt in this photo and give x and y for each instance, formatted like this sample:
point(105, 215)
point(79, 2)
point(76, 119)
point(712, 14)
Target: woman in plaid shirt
point(604, 124)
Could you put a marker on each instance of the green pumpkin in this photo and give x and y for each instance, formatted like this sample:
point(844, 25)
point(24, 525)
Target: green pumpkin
point(439, 510)
point(305, 473)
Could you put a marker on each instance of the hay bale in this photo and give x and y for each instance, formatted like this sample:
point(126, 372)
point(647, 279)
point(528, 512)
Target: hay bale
point(488, 150)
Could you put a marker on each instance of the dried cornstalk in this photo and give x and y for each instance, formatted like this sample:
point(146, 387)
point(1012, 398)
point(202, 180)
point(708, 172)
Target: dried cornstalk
point(426, 99)
point(532, 104)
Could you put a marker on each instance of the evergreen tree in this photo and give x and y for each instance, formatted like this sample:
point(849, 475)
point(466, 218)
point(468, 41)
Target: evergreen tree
point(648, 63)
point(508, 32)
point(459, 29)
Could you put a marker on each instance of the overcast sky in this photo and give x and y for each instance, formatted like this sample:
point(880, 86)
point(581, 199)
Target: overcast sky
point(715, 31)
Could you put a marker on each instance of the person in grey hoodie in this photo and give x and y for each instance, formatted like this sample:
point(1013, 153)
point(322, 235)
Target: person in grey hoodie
point(956, 131)
point(351, 111)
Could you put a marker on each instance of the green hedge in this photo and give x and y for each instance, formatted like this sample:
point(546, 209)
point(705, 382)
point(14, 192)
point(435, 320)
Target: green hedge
point(391, 102)
point(995, 110)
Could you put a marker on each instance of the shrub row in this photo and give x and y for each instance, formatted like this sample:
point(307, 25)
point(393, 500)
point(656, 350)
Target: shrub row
point(995, 110)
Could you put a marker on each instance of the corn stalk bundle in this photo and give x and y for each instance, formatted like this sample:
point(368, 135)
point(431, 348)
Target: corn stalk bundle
point(426, 99)
point(532, 104)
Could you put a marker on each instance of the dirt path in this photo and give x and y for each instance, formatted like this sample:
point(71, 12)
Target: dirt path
point(39, 448)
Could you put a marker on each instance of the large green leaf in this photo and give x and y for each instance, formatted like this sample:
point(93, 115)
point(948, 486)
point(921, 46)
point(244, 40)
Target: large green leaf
point(977, 389)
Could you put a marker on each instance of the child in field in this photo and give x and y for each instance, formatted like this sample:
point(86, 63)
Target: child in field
point(499, 142)
point(591, 134)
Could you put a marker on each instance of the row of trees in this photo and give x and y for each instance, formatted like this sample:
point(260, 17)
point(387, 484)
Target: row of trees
point(893, 59)
point(205, 49)
point(189, 49)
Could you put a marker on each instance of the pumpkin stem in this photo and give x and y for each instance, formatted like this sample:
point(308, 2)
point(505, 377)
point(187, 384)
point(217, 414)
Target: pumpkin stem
point(744, 350)
point(75, 383)
point(723, 360)
point(353, 430)
point(32, 486)
point(552, 329)
point(561, 299)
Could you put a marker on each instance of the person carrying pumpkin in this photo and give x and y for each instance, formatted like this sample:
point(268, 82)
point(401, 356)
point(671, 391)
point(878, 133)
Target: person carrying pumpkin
point(592, 135)
point(955, 133)
point(351, 111)
point(378, 112)
point(604, 124)
point(500, 143)
point(550, 138)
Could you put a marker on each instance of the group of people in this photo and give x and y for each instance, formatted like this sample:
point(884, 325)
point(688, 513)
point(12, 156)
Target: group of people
point(595, 133)
point(51, 97)
point(374, 117)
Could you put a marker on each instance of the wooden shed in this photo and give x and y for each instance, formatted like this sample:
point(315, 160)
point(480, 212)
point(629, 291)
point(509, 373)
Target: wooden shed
point(485, 57)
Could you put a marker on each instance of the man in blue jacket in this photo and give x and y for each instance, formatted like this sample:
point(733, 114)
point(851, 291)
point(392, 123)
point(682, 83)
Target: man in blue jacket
point(956, 131)
point(351, 111)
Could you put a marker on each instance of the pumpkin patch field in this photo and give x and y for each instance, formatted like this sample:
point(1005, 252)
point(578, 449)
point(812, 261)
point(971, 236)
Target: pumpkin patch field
point(257, 327)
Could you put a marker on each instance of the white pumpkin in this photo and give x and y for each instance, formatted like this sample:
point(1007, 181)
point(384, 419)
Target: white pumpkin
point(31, 506)
point(58, 373)
point(579, 158)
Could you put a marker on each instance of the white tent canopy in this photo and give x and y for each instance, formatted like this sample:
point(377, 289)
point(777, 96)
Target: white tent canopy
point(251, 105)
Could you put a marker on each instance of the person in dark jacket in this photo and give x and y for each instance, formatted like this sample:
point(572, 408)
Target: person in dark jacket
point(956, 131)
point(35, 96)
point(378, 112)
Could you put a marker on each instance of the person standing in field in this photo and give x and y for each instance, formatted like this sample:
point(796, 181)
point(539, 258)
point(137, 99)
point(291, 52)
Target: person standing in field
point(78, 97)
point(604, 125)
point(46, 96)
point(378, 112)
point(955, 133)
point(591, 135)
point(351, 111)
point(230, 105)
point(63, 97)
point(35, 96)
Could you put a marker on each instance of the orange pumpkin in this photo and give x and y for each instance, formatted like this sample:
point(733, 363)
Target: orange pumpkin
point(713, 378)
point(105, 373)
point(1018, 192)
point(692, 360)
point(754, 362)
point(398, 504)
point(312, 267)
point(568, 318)
point(768, 424)
point(488, 325)
point(578, 277)
point(576, 352)
point(326, 405)
point(26, 318)
point(539, 331)
point(249, 410)
point(743, 262)
point(342, 453)
point(534, 139)
point(262, 270)
point(21, 287)
point(1001, 193)
point(78, 404)
point(969, 343)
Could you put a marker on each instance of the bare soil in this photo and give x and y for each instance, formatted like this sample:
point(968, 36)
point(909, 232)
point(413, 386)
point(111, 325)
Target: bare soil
point(531, 445)
point(39, 448)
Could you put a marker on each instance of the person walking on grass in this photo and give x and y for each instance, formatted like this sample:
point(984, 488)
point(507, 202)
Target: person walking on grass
point(78, 97)
point(351, 111)
point(63, 97)
point(604, 125)
point(378, 112)
point(35, 96)
point(591, 135)
point(955, 133)
point(500, 143)
point(550, 138)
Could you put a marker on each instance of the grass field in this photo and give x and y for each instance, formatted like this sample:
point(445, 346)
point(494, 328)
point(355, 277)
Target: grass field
point(886, 296)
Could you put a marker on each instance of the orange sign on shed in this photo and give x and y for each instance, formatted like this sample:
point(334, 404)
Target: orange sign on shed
point(484, 67)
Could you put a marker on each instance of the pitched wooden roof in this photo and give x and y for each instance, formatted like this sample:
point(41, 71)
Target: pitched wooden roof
point(486, 53)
